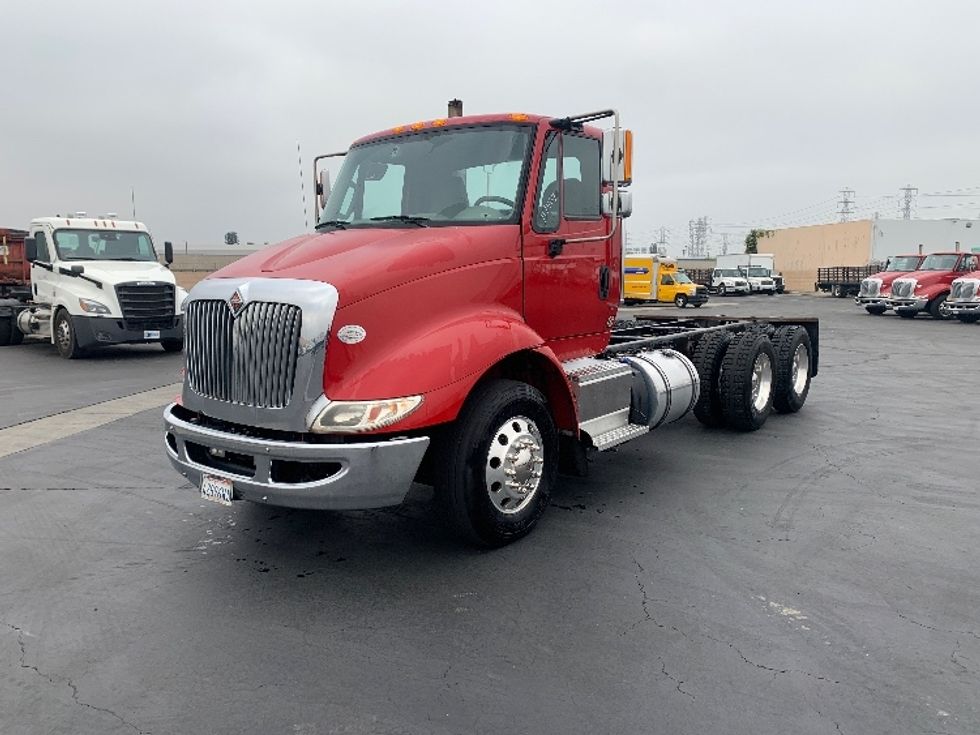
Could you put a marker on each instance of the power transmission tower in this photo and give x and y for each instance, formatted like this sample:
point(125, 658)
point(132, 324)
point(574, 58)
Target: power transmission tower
point(846, 200)
point(661, 243)
point(908, 200)
point(698, 234)
point(724, 243)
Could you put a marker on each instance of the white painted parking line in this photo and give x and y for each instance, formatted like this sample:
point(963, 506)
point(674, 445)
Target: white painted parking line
point(32, 434)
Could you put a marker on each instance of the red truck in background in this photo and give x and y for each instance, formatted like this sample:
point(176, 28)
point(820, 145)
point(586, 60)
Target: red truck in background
point(453, 321)
point(963, 301)
point(875, 290)
point(928, 288)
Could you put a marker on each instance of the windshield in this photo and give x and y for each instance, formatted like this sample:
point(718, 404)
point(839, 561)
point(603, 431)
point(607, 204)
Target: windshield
point(730, 273)
point(103, 245)
point(939, 263)
point(903, 264)
point(681, 277)
point(757, 271)
point(447, 176)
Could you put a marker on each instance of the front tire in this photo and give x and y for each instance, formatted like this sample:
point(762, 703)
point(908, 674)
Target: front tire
point(172, 345)
point(877, 310)
point(906, 314)
point(680, 301)
point(496, 467)
point(936, 310)
point(968, 318)
point(64, 336)
point(746, 383)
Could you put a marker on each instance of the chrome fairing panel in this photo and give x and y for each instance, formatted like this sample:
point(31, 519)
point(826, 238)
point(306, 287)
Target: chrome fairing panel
point(318, 302)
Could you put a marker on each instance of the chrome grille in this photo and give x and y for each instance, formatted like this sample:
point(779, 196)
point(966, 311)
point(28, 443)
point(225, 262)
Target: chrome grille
point(249, 360)
point(870, 287)
point(963, 290)
point(902, 289)
point(955, 290)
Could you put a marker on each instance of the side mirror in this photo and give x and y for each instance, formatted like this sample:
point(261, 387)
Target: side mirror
point(30, 249)
point(625, 208)
point(168, 252)
point(77, 269)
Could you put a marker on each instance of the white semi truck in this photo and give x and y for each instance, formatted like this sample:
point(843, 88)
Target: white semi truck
point(85, 282)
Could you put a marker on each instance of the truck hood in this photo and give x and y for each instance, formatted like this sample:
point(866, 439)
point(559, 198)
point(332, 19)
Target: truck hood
point(365, 261)
point(112, 272)
point(926, 278)
point(886, 277)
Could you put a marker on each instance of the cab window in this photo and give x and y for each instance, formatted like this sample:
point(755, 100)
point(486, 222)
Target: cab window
point(546, 207)
point(666, 281)
point(580, 177)
point(42, 246)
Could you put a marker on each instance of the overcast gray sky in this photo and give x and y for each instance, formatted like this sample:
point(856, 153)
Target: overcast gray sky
point(752, 113)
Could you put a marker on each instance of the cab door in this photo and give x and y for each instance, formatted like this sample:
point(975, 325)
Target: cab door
point(43, 279)
point(571, 289)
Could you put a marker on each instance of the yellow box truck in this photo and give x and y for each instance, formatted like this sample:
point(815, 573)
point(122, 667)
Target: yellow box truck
point(654, 278)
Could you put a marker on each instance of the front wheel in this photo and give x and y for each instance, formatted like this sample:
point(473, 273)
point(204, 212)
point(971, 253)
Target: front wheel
point(172, 345)
point(906, 314)
point(64, 336)
point(968, 318)
point(937, 308)
point(876, 309)
point(680, 301)
point(495, 468)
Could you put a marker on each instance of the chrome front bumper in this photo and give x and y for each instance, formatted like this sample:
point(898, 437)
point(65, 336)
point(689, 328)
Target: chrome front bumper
point(909, 304)
point(357, 476)
point(872, 301)
point(960, 306)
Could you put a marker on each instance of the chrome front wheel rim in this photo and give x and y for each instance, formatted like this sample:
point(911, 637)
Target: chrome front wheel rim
point(64, 334)
point(761, 381)
point(514, 465)
point(800, 369)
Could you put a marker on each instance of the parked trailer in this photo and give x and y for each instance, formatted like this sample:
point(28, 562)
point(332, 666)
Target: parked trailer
point(843, 280)
point(462, 339)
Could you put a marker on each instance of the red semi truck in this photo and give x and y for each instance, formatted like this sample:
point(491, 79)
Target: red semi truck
point(928, 288)
point(875, 290)
point(453, 321)
point(964, 298)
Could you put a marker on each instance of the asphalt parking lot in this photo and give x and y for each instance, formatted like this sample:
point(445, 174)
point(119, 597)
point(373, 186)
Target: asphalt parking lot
point(818, 576)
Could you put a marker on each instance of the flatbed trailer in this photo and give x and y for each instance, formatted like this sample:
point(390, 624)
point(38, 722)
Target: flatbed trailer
point(843, 280)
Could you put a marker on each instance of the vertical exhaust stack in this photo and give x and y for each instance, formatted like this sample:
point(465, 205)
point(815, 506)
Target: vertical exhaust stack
point(957, 246)
point(455, 108)
point(920, 248)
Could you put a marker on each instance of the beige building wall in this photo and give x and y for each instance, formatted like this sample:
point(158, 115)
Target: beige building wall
point(799, 251)
point(189, 269)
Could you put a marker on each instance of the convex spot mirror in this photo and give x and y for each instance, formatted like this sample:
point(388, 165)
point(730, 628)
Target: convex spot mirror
point(30, 249)
point(625, 208)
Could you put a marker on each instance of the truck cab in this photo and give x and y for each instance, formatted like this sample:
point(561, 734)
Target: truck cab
point(760, 279)
point(94, 282)
point(654, 278)
point(929, 286)
point(727, 281)
point(875, 291)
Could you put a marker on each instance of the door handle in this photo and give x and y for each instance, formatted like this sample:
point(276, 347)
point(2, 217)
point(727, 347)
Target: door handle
point(604, 273)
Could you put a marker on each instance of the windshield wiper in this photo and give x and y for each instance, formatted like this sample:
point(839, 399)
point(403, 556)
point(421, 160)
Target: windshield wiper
point(338, 223)
point(412, 219)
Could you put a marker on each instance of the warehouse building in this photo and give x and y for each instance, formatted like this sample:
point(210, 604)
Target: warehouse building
point(800, 251)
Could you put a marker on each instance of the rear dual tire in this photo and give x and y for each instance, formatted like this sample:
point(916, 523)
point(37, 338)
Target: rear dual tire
point(10, 334)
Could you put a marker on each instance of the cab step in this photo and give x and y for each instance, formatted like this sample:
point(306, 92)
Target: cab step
point(619, 435)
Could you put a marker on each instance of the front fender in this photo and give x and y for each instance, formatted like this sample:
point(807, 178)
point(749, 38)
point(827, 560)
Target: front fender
point(398, 357)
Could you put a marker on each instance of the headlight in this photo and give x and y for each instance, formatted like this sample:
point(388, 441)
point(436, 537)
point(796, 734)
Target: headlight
point(181, 298)
point(352, 417)
point(93, 307)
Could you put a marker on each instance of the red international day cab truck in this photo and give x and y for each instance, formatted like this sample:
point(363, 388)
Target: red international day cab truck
point(453, 321)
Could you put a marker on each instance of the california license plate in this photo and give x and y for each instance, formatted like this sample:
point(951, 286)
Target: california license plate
point(151, 334)
point(217, 489)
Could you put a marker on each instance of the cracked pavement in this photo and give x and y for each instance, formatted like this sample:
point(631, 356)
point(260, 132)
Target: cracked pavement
point(819, 576)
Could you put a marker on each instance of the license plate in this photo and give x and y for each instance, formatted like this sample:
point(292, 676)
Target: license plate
point(151, 334)
point(217, 489)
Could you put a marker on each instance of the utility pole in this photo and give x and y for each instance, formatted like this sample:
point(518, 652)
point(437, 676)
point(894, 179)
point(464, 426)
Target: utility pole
point(698, 234)
point(302, 188)
point(846, 200)
point(908, 200)
point(132, 198)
